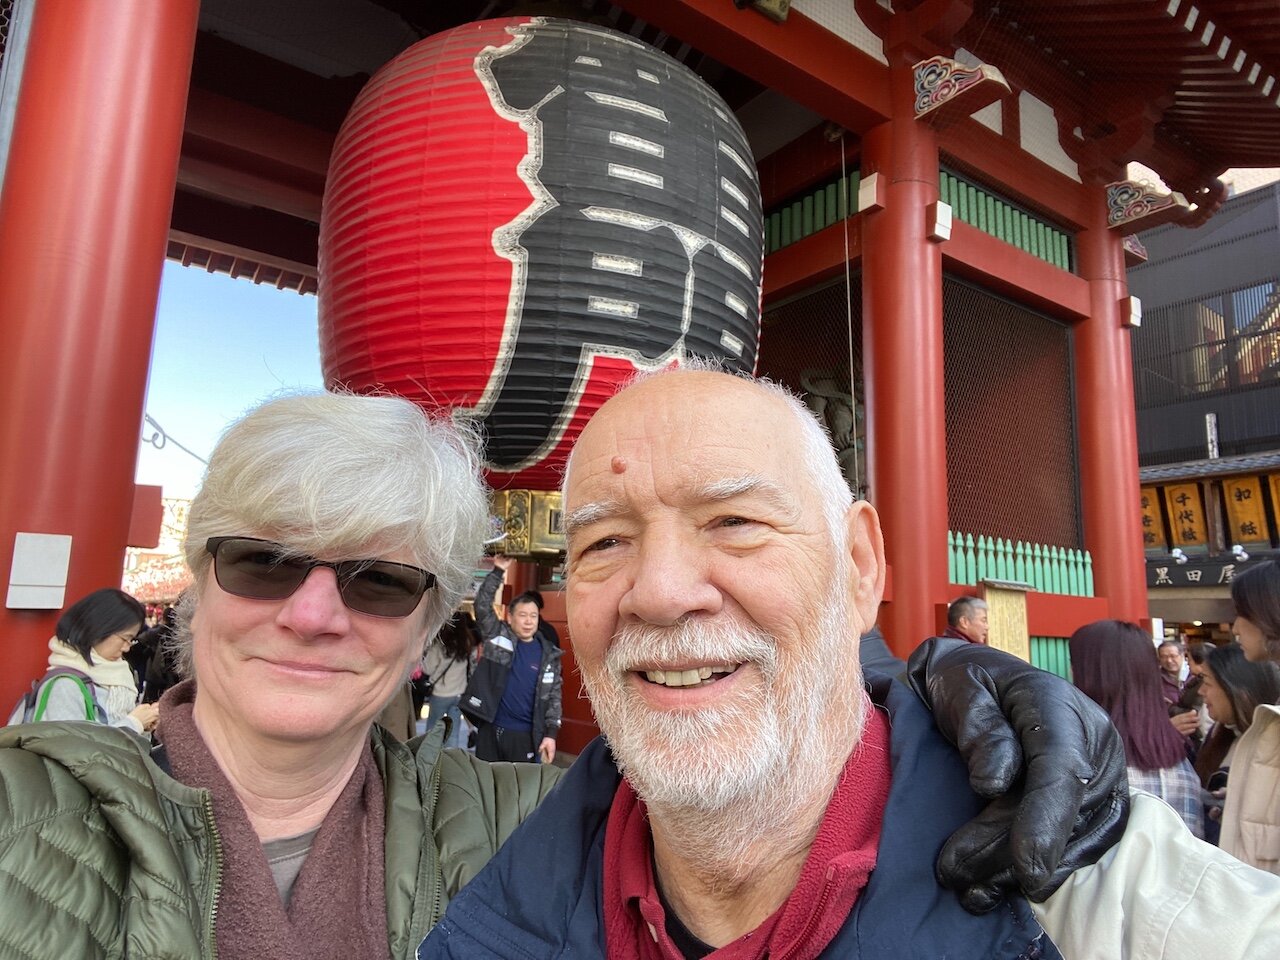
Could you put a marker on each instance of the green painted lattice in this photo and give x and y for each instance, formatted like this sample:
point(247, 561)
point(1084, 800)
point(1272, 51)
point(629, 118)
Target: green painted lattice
point(1048, 569)
point(805, 215)
point(810, 213)
point(1050, 653)
point(1004, 221)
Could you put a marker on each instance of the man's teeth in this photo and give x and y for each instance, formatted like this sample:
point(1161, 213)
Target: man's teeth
point(685, 678)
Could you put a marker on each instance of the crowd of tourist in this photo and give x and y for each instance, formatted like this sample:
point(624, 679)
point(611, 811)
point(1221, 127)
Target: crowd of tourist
point(1221, 704)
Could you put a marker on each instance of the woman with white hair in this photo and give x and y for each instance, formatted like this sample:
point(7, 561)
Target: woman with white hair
point(274, 819)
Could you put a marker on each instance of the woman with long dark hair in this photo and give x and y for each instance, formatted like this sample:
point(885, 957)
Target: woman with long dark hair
point(1115, 664)
point(1251, 814)
point(445, 668)
point(1233, 688)
point(88, 677)
point(1256, 595)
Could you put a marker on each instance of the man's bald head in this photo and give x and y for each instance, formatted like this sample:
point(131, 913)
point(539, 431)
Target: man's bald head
point(745, 397)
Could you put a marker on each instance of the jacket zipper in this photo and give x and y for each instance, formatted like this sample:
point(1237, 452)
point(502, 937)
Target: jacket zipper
point(217, 877)
point(437, 907)
point(814, 917)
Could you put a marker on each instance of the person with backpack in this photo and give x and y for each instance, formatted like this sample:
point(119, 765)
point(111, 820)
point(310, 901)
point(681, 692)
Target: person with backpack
point(88, 677)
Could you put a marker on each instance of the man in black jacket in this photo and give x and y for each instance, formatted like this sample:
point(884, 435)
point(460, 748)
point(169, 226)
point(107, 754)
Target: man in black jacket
point(513, 696)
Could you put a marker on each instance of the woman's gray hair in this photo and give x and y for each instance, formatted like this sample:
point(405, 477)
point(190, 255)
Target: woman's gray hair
point(339, 475)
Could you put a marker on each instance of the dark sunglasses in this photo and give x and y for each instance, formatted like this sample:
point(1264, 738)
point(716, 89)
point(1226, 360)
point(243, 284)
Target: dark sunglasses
point(262, 570)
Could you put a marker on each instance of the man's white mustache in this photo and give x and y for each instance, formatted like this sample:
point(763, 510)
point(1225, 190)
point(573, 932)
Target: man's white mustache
point(690, 641)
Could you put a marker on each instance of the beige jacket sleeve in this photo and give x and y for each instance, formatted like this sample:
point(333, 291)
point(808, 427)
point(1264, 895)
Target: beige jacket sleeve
point(1161, 894)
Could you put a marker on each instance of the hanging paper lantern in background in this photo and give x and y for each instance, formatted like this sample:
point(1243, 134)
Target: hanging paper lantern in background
point(521, 213)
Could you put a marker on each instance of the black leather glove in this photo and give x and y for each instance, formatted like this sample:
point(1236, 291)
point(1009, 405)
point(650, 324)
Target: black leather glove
point(1045, 752)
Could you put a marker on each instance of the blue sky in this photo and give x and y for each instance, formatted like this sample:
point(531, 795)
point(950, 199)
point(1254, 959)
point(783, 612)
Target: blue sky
point(221, 346)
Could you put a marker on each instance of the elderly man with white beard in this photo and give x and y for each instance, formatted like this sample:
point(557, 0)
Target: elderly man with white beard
point(756, 798)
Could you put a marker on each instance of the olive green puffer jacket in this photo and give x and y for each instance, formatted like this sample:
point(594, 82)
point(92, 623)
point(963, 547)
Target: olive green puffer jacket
point(104, 855)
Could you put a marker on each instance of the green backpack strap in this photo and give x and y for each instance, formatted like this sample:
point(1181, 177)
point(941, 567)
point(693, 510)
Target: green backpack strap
point(42, 699)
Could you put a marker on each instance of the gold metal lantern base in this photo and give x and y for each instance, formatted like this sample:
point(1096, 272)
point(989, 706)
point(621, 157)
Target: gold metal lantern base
point(531, 522)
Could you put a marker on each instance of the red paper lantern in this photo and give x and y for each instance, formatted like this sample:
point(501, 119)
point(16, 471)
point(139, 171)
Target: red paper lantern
point(518, 215)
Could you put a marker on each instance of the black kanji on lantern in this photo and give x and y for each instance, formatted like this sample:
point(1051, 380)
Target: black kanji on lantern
point(643, 238)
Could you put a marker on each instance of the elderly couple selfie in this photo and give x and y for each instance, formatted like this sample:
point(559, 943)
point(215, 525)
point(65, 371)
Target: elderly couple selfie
point(756, 791)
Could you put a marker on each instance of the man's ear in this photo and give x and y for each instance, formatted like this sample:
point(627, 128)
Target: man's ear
point(866, 551)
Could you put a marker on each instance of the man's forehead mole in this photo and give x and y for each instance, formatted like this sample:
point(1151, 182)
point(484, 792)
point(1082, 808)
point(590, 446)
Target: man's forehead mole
point(618, 464)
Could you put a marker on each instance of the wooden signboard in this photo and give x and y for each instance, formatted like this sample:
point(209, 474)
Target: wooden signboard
point(1153, 535)
point(1244, 510)
point(1186, 515)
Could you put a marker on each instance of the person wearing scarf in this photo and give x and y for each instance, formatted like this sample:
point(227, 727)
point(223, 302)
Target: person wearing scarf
point(92, 637)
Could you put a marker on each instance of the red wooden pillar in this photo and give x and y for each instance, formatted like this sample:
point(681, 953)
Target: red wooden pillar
point(902, 368)
point(1109, 487)
point(84, 220)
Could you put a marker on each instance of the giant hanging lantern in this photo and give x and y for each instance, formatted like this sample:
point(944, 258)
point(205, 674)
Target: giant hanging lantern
point(521, 213)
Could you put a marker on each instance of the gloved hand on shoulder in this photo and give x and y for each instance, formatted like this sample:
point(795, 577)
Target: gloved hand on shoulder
point(1046, 754)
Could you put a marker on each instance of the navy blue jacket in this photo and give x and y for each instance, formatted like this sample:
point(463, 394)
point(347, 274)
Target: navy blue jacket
point(552, 867)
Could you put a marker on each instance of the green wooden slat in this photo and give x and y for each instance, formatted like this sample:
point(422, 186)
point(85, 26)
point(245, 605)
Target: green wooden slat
point(1020, 562)
point(784, 232)
point(832, 202)
point(855, 178)
point(797, 221)
point(1088, 574)
point(806, 216)
point(1051, 654)
point(1037, 568)
point(989, 213)
point(820, 210)
point(951, 557)
point(970, 560)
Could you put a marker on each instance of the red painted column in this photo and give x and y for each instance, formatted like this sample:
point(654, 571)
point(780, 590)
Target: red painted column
point(84, 220)
point(902, 369)
point(1109, 487)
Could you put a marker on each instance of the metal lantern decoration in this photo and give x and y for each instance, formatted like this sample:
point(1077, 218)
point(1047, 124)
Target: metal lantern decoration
point(521, 213)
